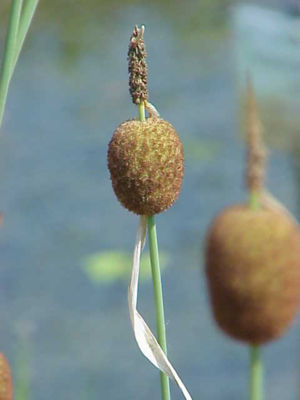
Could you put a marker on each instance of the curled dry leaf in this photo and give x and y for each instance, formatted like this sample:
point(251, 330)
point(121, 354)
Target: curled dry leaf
point(143, 335)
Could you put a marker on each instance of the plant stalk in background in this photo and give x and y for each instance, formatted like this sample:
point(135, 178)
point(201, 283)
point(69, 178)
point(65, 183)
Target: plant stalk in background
point(255, 172)
point(253, 261)
point(19, 23)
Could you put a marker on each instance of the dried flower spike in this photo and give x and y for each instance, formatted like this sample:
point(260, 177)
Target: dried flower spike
point(256, 152)
point(137, 66)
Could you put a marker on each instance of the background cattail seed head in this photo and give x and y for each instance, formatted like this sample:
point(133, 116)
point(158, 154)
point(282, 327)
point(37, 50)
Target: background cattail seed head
point(253, 272)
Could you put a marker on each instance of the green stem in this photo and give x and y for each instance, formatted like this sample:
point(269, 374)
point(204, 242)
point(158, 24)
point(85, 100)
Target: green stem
point(256, 374)
point(9, 53)
point(158, 298)
point(141, 108)
point(254, 200)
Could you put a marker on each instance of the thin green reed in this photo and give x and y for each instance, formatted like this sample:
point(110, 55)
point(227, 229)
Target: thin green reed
point(158, 300)
point(9, 53)
point(25, 21)
point(19, 22)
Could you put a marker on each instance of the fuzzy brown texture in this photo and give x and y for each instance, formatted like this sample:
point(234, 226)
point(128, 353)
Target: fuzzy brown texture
point(137, 67)
point(146, 165)
point(6, 386)
point(253, 272)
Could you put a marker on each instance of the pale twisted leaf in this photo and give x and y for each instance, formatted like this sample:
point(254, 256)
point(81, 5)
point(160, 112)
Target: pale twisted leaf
point(143, 335)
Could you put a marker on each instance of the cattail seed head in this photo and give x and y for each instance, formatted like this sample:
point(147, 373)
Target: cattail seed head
point(146, 165)
point(253, 272)
point(6, 386)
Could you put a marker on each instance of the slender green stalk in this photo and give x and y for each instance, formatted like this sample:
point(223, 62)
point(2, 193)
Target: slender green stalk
point(256, 374)
point(9, 52)
point(141, 108)
point(19, 23)
point(25, 21)
point(158, 298)
point(157, 287)
point(256, 367)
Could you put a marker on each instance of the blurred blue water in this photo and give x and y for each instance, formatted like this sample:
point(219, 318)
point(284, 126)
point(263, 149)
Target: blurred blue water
point(64, 104)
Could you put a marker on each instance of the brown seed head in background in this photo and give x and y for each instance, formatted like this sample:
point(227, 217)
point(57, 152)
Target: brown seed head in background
point(6, 385)
point(253, 272)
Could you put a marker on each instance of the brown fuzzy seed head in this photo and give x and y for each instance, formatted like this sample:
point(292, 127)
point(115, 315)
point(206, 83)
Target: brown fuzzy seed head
point(253, 272)
point(146, 164)
point(6, 386)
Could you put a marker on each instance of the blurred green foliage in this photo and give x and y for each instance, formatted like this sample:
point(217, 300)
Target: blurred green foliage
point(76, 18)
point(201, 150)
point(109, 266)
